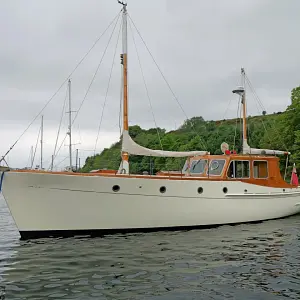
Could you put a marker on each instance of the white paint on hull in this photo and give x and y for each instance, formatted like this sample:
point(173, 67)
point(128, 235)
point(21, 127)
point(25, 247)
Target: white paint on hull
point(41, 202)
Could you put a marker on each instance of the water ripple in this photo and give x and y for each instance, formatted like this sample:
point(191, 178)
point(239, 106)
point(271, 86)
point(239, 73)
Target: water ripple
point(260, 261)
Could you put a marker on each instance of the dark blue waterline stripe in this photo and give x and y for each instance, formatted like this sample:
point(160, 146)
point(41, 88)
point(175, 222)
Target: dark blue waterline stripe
point(1, 180)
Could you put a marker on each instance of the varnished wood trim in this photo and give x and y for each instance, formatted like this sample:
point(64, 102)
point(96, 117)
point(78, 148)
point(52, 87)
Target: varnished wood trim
point(261, 182)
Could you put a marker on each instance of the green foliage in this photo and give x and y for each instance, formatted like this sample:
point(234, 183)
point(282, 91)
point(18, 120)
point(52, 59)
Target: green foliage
point(274, 131)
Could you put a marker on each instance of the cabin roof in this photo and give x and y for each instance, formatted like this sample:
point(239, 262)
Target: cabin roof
point(236, 157)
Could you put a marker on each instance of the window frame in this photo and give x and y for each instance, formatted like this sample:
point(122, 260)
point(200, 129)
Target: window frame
point(267, 168)
point(198, 160)
point(234, 160)
point(208, 167)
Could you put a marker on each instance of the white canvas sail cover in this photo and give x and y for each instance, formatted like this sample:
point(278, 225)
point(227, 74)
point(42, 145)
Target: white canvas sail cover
point(131, 147)
point(248, 150)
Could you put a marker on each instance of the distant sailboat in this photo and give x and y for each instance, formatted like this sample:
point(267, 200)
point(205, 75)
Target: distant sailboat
point(210, 190)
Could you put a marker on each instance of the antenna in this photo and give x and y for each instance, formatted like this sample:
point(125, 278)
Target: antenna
point(122, 3)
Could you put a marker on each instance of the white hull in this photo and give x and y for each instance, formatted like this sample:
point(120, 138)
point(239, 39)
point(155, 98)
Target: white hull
point(41, 202)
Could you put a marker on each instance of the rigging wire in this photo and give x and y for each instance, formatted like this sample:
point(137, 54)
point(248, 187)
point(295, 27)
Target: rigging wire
point(227, 108)
point(89, 87)
point(29, 158)
point(147, 91)
point(264, 109)
point(203, 143)
point(261, 105)
point(37, 140)
point(106, 93)
point(64, 159)
point(61, 118)
point(51, 98)
point(223, 119)
point(264, 126)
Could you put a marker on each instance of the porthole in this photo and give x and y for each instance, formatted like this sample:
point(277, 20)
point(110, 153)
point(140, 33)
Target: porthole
point(162, 189)
point(225, 190)
point(200, 190)
point(116, 188)
point(245, 191)
point(284, 190)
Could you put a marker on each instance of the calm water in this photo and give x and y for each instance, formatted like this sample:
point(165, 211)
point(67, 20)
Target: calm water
point(260, 261)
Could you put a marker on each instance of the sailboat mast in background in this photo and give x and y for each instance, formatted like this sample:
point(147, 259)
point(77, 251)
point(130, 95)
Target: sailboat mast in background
point(70, 126)
point(42, 136)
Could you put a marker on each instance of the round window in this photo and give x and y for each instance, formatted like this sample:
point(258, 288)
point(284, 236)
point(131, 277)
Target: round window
point(116, 188)
point(162, 189)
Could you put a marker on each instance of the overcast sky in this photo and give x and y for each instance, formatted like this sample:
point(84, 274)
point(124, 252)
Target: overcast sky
point(199, 45)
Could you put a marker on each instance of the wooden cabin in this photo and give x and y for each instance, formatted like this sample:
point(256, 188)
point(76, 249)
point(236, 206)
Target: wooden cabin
point(254, 169)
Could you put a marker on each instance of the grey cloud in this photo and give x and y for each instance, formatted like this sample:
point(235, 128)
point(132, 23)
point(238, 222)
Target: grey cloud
point(199, 46)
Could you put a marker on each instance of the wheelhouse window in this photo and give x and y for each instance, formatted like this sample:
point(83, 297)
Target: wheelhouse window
point(198, 166)
point(185, 167)
point(216, 167)
point(239, 169)
point(260, 169)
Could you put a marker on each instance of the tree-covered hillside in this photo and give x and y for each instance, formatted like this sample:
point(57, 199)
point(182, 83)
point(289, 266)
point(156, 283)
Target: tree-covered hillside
point(273, 131)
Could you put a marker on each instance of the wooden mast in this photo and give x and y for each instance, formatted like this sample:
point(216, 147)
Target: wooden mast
point(124, 62)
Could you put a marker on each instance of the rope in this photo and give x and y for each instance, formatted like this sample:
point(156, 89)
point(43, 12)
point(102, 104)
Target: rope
point(203, 144)
point(147, 91)
point(51, 98)
point(109, 79)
